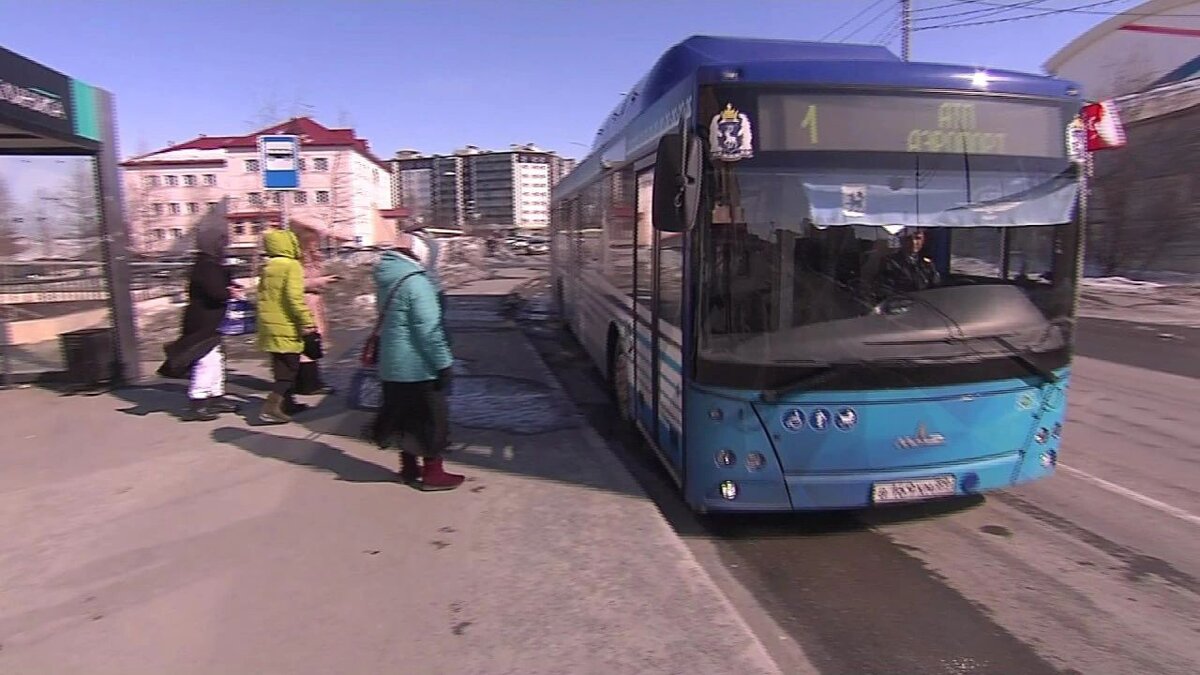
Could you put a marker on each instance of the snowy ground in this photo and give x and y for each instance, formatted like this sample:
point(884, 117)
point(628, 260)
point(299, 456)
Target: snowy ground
point(1172, 299)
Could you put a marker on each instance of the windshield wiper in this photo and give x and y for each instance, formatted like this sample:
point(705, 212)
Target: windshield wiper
point(821, 373)
point(1025, 358)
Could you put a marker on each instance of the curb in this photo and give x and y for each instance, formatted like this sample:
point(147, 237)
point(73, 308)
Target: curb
point(599, 449)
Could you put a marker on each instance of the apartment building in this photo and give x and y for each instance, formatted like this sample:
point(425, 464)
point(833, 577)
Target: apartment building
point(475, 189)
point(344, 188)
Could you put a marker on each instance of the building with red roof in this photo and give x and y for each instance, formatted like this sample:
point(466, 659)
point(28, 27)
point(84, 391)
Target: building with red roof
point(345, 189)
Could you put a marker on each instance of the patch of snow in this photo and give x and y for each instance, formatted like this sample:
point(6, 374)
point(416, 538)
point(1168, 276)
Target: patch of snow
point(1120, 284)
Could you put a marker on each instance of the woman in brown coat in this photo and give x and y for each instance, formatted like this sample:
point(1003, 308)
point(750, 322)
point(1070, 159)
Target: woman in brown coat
point(316, 280)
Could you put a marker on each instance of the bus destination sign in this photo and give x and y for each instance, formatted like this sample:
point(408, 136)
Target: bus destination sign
point(912, 123)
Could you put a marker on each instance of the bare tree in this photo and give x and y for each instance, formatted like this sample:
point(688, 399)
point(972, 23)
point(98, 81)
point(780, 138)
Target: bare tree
point(78, 202)
point(10, 243)
point(140, 199)
point(339, 213)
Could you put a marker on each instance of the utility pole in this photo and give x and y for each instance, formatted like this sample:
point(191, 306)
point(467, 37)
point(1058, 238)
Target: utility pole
point(905, 29)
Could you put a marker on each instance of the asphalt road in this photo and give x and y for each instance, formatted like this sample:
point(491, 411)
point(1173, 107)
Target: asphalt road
point(1096, 570)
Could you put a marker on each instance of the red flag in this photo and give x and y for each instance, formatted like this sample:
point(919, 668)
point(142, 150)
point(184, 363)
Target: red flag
point(1103, 126)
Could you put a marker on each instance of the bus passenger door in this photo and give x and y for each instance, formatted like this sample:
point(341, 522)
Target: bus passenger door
point(668, 367)
point(645, 386)
point(657, 351)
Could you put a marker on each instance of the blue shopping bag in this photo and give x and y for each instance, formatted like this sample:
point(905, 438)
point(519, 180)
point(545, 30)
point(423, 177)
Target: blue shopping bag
point(366, 391)
point(239, 318)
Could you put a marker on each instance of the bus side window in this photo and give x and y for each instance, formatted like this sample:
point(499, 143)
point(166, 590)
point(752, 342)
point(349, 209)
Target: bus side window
point(620, 225)
point(644, 236)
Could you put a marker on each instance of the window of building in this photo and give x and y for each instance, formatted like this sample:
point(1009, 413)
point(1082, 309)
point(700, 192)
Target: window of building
point(171, 181)
point(190, 181)
point(255, 198)
point(212, 207)
point(302, 164)
point(239, 230)
point(193, 208)
point(252, 166)
point(322, 196)
point(321, 164)
point(277, 197)
point(158, 209)
point(257, 228)
point(176, 208)
point(300, 198)
point(150, 181)
point(210, 179)
point(176, 233)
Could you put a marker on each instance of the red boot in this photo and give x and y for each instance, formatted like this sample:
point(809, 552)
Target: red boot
point(434, 477)
point(410, 471)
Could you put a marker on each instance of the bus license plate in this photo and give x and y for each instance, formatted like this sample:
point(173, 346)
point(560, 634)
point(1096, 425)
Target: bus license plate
point(912, 490)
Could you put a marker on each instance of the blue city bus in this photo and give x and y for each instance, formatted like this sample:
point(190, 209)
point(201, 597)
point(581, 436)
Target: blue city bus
point(820, 277)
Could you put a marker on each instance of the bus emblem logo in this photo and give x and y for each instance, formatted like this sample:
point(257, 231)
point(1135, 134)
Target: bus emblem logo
point(793, 420)
point(731, 137)
point(921, 439)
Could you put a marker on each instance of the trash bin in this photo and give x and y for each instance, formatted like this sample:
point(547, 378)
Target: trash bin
point(89, 357)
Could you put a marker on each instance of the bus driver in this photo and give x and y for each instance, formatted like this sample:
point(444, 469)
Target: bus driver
point(909, 269)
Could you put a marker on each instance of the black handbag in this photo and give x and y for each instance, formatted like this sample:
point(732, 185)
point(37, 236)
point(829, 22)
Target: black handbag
point(313, 348)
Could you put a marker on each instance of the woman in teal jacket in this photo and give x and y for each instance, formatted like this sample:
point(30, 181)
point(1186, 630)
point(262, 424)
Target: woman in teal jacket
point(414, 367)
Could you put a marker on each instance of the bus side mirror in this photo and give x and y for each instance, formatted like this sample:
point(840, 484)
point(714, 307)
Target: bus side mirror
point(667, 212)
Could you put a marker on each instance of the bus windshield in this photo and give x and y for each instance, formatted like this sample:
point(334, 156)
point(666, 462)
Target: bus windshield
point(818, 259)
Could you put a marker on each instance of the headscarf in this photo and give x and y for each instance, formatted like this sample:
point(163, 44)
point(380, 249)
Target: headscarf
point(212, 239)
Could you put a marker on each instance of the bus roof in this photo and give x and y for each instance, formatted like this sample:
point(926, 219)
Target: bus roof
point(778, 61)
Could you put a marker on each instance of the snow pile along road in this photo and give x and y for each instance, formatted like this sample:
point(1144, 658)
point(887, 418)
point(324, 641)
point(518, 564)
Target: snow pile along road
point(1174, 300)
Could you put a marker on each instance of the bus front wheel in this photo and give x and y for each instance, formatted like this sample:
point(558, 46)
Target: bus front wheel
point(619, 373)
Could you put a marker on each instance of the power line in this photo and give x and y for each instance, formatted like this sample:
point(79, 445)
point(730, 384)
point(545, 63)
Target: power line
point(1091, 12)
point(868, 23)
point(984, 12)
point(891, 29)
point(1034, 15)
point(851, 19)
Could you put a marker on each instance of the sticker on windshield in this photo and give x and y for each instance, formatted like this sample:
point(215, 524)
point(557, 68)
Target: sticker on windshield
point(730, 135)
point(854, 201)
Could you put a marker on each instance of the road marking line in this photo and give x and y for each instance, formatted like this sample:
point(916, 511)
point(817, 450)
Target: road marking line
point(1135, 496)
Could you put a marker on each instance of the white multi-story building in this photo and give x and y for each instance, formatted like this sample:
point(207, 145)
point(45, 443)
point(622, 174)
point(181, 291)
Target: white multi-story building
point(344, 189)
point(476, 189)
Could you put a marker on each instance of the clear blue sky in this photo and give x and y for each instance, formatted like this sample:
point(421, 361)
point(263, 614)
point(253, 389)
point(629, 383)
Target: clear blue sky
point(438, 75)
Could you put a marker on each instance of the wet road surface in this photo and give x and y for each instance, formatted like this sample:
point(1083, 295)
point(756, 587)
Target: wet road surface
point(1094, 570)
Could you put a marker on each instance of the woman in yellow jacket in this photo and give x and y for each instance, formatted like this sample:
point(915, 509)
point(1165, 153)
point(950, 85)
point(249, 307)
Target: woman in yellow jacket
point(283, 320)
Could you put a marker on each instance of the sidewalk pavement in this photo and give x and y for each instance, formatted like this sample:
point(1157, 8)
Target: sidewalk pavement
point(136, 543)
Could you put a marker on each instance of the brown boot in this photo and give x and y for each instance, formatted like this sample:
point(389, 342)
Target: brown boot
point(434, 476)
point(272, 410)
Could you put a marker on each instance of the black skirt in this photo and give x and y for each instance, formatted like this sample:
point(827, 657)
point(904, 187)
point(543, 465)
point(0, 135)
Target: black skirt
point(414, 417)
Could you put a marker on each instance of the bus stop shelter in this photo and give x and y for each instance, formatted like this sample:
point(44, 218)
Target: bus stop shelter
point(65, 316)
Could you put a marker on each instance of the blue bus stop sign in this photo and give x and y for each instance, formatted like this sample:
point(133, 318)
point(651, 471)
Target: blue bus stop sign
point(280, 160)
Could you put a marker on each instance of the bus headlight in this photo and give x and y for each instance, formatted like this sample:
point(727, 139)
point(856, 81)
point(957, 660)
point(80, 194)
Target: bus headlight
point(1049, 459)
point(1042, 435)
point(1057, 430)
point(729, 490)
point(726, 458)
point(755, 461)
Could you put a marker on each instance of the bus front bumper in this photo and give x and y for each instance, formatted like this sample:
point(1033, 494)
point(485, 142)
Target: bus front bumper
point(816, 492)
